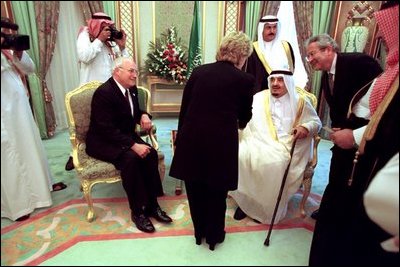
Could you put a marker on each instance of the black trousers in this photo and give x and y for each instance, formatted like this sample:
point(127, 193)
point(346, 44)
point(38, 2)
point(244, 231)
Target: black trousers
point(140, 179)
point(207, 208)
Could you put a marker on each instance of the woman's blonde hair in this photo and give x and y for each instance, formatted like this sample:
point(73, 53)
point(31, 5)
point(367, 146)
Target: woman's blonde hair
point(233, 47)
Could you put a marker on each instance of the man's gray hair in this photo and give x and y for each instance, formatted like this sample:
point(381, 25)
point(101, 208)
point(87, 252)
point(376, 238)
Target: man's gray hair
point(118, 62)
point(323, 40)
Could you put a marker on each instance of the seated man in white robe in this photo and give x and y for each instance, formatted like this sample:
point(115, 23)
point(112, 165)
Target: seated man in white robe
point(280, 115)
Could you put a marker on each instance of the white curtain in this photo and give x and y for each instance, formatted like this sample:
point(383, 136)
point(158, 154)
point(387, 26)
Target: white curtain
point(63, 75)
point(289, 33)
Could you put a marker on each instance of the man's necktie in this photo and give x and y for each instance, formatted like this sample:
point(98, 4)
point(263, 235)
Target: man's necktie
point(331, 81)
point(127, 96)
point(127, 100)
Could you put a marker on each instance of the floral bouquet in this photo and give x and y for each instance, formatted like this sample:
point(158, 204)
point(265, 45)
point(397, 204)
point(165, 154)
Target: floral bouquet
point(167, 58)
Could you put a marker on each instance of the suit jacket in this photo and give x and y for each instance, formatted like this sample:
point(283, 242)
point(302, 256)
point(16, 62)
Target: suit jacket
point(217, 100)
point(112, 127)
point(339, 218)
point(353, 71)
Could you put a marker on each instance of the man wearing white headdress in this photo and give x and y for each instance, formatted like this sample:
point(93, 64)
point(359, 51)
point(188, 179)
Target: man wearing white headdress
point(270, 52)
point(280, 115)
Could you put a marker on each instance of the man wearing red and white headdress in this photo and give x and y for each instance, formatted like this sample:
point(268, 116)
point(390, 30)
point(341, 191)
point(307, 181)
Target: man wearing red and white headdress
point(96, 51)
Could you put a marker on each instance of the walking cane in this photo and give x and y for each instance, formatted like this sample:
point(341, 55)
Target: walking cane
point(266, 242)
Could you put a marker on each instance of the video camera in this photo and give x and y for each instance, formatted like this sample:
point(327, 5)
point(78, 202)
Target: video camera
point(16, 42)
point(115, 34)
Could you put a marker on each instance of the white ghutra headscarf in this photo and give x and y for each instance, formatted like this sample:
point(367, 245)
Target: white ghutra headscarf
point(290, 86)
point(273, 51)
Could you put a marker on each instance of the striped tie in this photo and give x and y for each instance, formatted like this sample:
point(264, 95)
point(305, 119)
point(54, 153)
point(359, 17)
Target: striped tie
point(331, 82)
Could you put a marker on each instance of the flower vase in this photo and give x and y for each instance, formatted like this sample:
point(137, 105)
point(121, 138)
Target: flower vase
point(355, 37)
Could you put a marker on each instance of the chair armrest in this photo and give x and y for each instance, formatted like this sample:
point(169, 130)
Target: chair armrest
point(153, 139)
point(314, 159)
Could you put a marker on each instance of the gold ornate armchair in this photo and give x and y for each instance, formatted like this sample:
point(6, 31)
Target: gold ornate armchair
point(92, 171)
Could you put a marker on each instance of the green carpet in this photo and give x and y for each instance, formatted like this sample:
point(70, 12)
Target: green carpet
point(288, 247)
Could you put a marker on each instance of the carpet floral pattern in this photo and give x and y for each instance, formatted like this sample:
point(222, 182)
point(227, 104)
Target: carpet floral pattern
point(48, 233)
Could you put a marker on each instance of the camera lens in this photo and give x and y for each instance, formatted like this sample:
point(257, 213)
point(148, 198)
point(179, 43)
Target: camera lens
point(115, 34)
point(15, 42)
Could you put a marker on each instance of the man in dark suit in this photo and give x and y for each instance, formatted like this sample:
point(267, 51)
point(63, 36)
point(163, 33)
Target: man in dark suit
point(112, 138)
point(378, 143)
point(344, 74)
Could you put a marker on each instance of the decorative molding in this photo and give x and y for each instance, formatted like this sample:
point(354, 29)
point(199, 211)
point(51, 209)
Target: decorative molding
point(126, 12)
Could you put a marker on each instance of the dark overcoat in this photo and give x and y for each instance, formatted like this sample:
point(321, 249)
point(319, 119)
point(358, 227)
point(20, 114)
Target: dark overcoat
point(217, 100)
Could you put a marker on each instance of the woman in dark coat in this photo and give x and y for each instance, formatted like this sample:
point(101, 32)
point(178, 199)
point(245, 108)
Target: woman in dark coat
point(216, 101)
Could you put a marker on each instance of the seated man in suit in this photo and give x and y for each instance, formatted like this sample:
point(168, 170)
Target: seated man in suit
point(112, 138)
point(280, 115)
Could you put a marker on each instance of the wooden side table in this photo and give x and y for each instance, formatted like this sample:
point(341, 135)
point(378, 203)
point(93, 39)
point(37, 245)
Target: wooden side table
point(167, 99)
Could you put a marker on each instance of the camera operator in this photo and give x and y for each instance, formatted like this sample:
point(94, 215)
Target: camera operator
point(98, 44)
point(26, 181)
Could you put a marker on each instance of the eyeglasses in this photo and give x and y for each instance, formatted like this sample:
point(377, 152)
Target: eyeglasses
point(131, 71)
point(312, 54)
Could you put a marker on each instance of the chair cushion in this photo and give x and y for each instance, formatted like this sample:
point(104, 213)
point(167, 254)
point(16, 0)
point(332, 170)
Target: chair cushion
point(91, 168)
point(81, 108)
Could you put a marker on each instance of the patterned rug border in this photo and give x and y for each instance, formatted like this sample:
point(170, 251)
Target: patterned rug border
point(40, 215)
point(41, 255)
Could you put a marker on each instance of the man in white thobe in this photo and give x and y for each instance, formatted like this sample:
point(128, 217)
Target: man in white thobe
point(26, 181)
point(280, 115)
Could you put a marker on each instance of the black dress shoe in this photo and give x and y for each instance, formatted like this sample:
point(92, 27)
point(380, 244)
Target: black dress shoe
point(198, 240)
point(239, 214)
point(143, 223)
point(23, 218)
point(160, 215)
point(220, 239)
point(212, 246)
point(314, 215)
point(70, 164)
